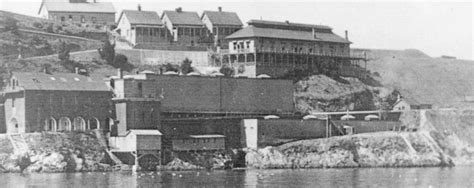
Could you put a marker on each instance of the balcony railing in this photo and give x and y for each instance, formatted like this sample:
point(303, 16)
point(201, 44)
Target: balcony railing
point(324, 54)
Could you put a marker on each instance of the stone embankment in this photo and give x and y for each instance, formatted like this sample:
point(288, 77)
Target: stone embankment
point(428, 146)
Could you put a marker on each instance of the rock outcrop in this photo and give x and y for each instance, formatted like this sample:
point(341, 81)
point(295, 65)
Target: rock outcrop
point(383, 149)
point(55, 152)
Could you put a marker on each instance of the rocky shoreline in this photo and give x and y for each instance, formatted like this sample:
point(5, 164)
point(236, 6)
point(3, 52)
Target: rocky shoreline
point(425, 147)
point(383, 149)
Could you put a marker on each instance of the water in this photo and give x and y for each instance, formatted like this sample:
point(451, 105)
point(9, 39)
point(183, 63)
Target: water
point(348, 177)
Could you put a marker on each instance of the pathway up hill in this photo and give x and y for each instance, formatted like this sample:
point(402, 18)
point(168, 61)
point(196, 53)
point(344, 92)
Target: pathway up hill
point(434, 144)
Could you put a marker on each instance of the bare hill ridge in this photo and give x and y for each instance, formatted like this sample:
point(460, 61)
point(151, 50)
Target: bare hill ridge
point(438, 81)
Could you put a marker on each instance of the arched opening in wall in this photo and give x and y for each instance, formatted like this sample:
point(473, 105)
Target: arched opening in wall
point(64, 124)
point(79, 124)
point(94, 123)
point(50, 124)
point(14, 126)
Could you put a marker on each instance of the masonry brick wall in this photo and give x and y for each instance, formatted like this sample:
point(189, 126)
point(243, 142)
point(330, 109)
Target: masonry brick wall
point(193, 94)
point(89, 105)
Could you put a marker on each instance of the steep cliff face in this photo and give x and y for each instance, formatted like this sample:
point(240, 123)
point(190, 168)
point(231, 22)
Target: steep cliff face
point(442, 139)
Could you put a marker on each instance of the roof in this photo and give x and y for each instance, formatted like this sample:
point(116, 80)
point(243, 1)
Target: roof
point(223, 18)
point(145, 132)
point(286, 24)
point(207, 136)
point(60, 81)
point(252, 31)
point(183, 18)
point(184, 136)
point(136, 17)
point(66, 6)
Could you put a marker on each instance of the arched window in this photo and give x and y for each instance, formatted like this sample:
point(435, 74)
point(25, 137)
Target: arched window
point(64, 124)
point(50, 124)
point(94, 123)
point(79, 124)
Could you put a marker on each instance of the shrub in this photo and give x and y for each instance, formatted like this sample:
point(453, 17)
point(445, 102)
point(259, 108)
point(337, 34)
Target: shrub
point(11, 24)
point(37, 25)
point(107, 52)
point(227, 71)
point(63, 52)
point(121, 61)
point(186, 66)
point(170, 67)
point(50, 28)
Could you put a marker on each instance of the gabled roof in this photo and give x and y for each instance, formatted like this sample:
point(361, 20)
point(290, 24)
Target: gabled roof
point(223, 18)
point(66, 6)
point(183, 18)
point(136, 17)
point(60, 81)
point(252, 31)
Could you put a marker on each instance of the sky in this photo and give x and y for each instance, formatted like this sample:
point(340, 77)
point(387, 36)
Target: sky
point(434, 27)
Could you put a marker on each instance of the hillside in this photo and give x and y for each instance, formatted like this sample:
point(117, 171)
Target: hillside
point(438, 81)
point(31, 36)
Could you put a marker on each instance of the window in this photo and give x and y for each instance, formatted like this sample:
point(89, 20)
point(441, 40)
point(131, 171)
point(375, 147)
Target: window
point(94, 20)
point(310, 50)
point(70, 17)
point(83, 19)
point(63, 18)
point(140, 89)
point(248, 44)
point(235, 45)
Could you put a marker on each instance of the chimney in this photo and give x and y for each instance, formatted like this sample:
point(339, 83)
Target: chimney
point(119, 73)
point(76, 70)
point(347, 35)
point(179, 9)
point(139, 7)
point(219, 8)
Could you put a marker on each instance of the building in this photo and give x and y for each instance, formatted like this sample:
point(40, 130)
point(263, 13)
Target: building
point(78, 11)
point(280, 48)
point(136, 131)
point(39, 101)
point(139, 27)
point(186, 28)
point(199, 142)
point(221, 24)
point(207, 96)
point(409, 104)
point(141, 146)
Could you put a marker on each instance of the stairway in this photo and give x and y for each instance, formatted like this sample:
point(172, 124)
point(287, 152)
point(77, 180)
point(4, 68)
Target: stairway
point(103, 143)
point(19, 143)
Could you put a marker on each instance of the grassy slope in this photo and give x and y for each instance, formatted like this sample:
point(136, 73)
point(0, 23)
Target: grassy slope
point(442, 82)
